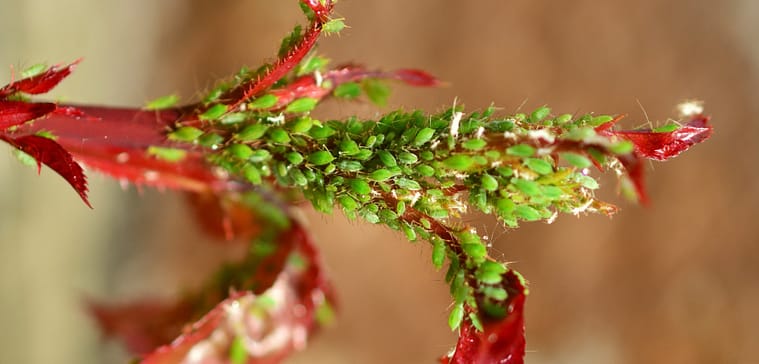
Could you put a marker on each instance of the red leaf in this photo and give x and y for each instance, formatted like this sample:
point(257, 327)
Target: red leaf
point(40, 83)
point(265, 322)
point(47, 151)
point(502, 341)
point(13, 113)
point(416, 78)
point(665, 145)
point(223, 218)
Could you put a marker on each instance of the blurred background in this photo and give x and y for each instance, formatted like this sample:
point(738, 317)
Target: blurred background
point(676, 282)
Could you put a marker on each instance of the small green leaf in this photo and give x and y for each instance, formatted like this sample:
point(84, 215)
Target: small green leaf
point(214, 112)
point(186, 134)
point(456, 316)
point(301, 105)
point(263, 102)
point(538, 165)
point(423, 136)
point(348, 90)
point(667, 128)
point(163, 102)
point(521, 150)
point(577, 160)
point(540, 114)
point(252, 132)
point(321, 157)
point(167, 154)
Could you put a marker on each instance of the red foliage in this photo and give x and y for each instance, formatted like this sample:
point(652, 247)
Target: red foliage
point(501, 341)
point(40, 83)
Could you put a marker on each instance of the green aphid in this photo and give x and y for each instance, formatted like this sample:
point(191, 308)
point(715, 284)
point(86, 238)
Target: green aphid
point(427, 155)
point(540, 166)
point(279, 136)
point(377, 91)
point(539, 114)
point(438, 253)
point(233, 118)
point(425, 170)
point(359, 186)
point(167, 154)
point(349, 165)
point(252, 132)
point(364, 154)
point(240, 151)
point(348, 203)
point(409, 231)
point(459, 162)
point(186, 134)
point(294, 158)
point(349, 147)
point(34, 70)
point(622, 147)
point(297, 176)
point(586, 181)
point(528, 213)
point(600, 120)
point(562, 119)
point(302, 125)
point(488, 182)
point(214, 112)
point(302, 105)
point(577, 160)
point(408, 184)
point(348, 90)
point(456, 316)
point(529, 188)
point(387, 158)
point(504, 207)
point(521, 150)
point(252, 174)
point(263, 102)
point(423, 136)
point(321, 132)
point(381, 175)
point(333, 26)
point(259, 155)
point(163, 102)
point(474, 144)
point(407, 158)
point(320, 157)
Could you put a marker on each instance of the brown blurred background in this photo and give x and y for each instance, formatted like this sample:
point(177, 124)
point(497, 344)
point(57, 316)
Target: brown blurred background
point(677, 282)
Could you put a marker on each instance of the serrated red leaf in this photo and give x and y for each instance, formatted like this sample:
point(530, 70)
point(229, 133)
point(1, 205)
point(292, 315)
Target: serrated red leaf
point(48, 152)
point(40, 83)
point(501, 341)
point(14, 113)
